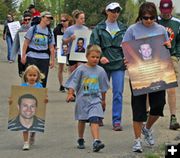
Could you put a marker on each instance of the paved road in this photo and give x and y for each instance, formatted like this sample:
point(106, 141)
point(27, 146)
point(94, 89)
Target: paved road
point(59, 139)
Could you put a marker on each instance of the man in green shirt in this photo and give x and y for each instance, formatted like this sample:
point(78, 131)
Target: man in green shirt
point(172, 25)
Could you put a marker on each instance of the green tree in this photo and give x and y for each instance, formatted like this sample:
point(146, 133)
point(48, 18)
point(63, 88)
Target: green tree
point(131, 12)
point(92, 8)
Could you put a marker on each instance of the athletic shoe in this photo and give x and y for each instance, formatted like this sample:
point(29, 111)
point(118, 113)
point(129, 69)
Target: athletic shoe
point(81, 143)
point(62, 89)
point(174, 125)
point(98, 145)
point(26, 146)
point(137, 146)
point(117, 127)
point(148, 137)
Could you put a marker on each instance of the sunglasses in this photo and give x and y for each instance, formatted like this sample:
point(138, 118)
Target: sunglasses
point(115, 10)
point(148, 17)
point(27, 19)
point(64, 20)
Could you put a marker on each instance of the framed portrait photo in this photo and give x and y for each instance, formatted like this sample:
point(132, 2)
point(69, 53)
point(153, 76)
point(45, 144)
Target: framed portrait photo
point(149, 65)
point(61, 50)
point(27, 109)
point(79, 45)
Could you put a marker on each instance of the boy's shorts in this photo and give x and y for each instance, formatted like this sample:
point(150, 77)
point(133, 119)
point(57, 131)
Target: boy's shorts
point(156, 100)
point(93, 119)
point(175, 64)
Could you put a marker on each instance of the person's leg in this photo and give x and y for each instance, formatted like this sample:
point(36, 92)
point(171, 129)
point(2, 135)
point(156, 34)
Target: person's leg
point(32, 138)
point(174, 125)
point(21, 67)
point(81, 129)
point(117, 88)
point(9, 46)
point(26, 136)
point(60, 77)
point(95, 130)
point(97, 144)
point(26, 145)
point(138, 104)
point(157, 102)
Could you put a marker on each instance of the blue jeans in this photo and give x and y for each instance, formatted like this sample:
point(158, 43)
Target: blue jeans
point(9, 46)
point(117, 88)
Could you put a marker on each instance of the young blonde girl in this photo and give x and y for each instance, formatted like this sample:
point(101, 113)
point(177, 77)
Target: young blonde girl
point(90, 83)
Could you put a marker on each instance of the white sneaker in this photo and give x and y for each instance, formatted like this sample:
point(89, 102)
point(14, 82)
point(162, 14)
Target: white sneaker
point(26, 146)
point(148, 137)
point(137, 146)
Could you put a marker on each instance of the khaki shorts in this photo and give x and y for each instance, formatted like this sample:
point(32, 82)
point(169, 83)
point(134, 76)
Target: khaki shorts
point(175, 63)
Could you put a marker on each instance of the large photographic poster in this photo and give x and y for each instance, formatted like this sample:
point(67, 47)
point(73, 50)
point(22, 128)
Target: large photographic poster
point(13, 28)
point(21, 40)
point(27, 109)
point(149, 65)
point(79, 45)
point(61, 50)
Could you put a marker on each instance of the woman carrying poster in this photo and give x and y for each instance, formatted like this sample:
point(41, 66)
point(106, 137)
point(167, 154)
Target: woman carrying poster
point(146, 26)
point(69, 35)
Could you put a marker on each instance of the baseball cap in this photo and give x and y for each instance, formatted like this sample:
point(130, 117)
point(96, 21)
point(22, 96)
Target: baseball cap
point(47, 14)
point(113, 6)
point(166, 6)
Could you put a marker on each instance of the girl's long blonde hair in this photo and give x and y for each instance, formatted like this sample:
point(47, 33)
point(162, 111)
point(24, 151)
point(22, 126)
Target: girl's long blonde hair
point(30, 68)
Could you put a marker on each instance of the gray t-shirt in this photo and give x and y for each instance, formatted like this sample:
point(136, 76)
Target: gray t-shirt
point(112, 28)
point(39, 41)
point(138, 31)
point(70, 31)
point(88, 83)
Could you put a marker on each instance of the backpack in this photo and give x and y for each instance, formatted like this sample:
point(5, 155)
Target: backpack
point(49, 40)
point(35, 21)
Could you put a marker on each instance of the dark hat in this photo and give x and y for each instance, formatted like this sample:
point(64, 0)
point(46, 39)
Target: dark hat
point(166, 6)
point(31, 6)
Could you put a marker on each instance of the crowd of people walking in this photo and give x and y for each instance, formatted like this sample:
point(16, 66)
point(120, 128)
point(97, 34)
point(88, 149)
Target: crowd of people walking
point(89, 81)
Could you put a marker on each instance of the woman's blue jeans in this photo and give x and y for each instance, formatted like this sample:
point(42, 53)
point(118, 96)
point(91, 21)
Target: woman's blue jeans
point(117, 89)
point(9, 46)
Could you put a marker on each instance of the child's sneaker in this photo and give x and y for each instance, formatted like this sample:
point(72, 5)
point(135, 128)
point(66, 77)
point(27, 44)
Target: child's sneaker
point(117, 127)
point(174, 125)
point(81, 143)
point(98, 145)
point(26, 146)
point(137, 146)
point(62, 89)
point(148, 137)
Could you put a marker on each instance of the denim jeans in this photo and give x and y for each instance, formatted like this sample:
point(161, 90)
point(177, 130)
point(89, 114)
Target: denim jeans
point(117, 88)
point(9, 46)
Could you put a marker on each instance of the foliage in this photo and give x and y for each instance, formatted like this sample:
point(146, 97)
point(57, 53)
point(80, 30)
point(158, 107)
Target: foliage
point(92, 8)
point(131, 12)
point(7, 6)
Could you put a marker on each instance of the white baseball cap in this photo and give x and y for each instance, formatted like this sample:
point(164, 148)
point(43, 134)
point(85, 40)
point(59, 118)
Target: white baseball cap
point(113, 5)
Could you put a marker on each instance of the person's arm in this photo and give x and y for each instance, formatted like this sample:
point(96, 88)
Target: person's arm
point(70, 95)
point(69, 39)
point(25, 46)
point(104, 100)
point(177, 46)
point(4, 31)
point(52, 55)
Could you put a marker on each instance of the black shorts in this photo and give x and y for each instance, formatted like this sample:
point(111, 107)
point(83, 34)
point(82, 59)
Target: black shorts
point(157, 100)
point(71, 62)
